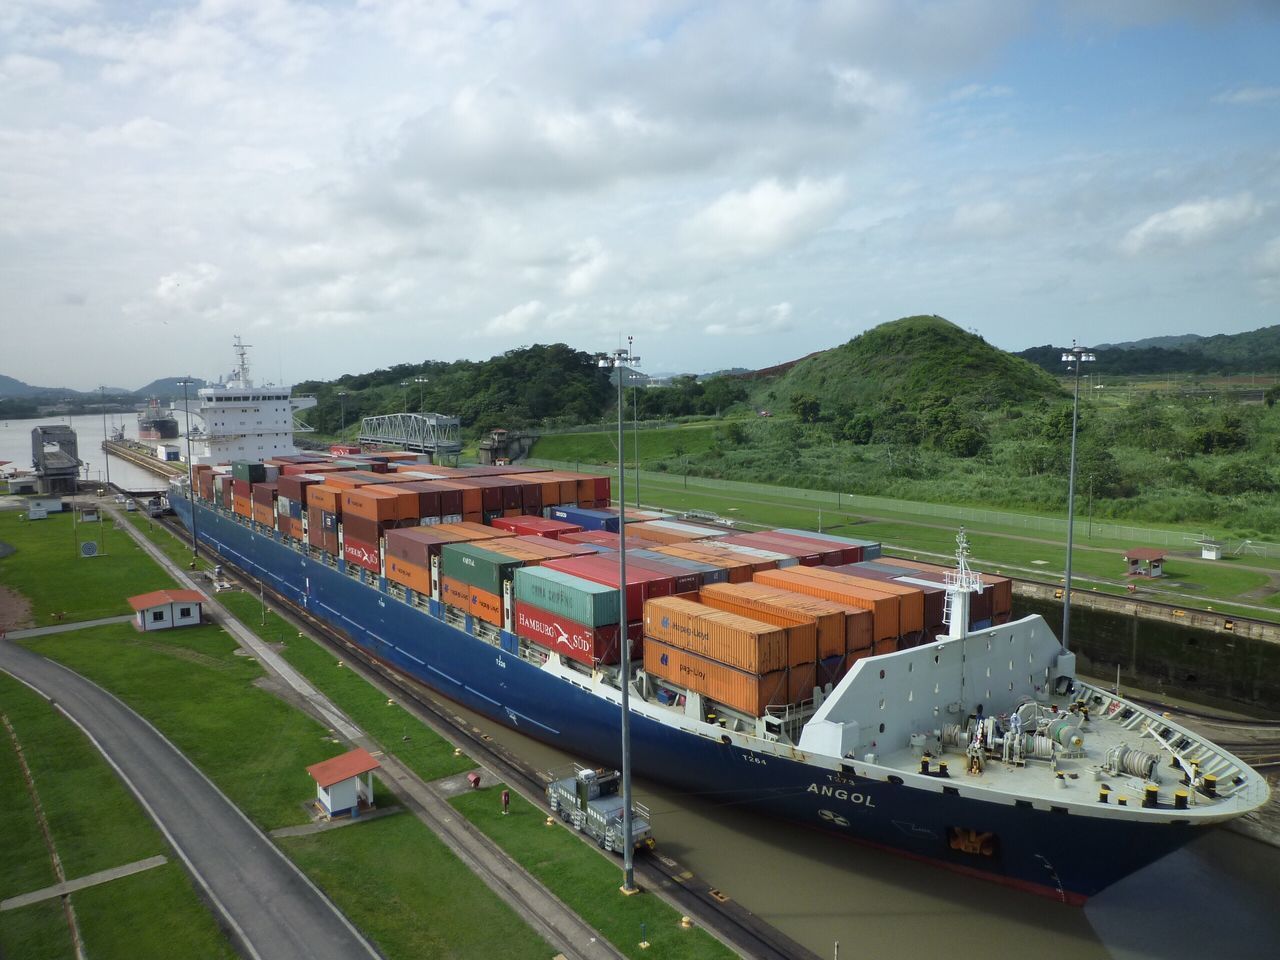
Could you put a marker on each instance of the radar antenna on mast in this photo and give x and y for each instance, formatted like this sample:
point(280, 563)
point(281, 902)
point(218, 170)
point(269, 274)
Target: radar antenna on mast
point(242, 359)
point(960, 582)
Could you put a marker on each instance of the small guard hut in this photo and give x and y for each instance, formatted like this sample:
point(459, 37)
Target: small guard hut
point(339, 789)
point(1144, 562)
point(163, 609)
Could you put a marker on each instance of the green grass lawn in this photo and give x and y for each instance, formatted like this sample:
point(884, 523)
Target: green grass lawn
point(595, 448)
point(193, 686)
point(406, 890)
point(584, 879)
point(179, 551)
point(425, 752)
point(47, 569)
point(95, 824)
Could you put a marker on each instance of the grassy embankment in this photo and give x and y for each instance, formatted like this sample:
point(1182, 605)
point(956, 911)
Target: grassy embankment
point(193, 686)
point(95, 824)
point(48, 570)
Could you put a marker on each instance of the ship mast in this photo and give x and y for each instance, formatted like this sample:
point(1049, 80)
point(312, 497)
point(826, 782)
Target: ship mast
point(242, 360)
point(960, 582)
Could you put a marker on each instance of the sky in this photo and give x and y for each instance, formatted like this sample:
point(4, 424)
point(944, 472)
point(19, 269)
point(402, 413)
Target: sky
point(353, 184)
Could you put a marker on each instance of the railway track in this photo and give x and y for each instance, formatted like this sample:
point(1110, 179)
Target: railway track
point(709, 907)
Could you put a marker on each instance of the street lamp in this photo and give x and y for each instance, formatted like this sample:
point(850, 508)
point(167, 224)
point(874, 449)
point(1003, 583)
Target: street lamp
point(1076, 355)
point(106, 456)
point(616, 361)
point(191, 477)
point(635, 424)
point(420, 381)
point(342, 402)
point(405, 384)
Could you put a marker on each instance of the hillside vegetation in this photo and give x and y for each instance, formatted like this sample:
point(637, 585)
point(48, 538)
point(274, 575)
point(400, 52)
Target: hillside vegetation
point(1256, 351)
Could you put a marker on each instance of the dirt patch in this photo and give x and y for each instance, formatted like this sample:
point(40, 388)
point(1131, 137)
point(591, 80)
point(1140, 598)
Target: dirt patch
point(15, 610)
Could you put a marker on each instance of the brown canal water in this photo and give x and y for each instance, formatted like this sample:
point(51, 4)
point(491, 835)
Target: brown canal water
point(1215, 896)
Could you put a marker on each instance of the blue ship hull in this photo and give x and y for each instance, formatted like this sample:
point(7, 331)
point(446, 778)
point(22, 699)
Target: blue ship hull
point(1065, 857)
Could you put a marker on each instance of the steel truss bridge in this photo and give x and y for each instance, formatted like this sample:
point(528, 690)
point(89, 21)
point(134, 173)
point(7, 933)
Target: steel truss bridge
point(432, 433)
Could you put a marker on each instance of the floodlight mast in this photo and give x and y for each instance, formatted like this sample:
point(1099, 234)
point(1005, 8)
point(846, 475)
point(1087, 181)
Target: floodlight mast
point(1076, 355)
point(618, 360)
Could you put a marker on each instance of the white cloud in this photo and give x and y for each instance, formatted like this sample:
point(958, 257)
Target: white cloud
point(754, 321)
point(188, 288)
point(588, 262)
point(140, 133)
point(762, 219)
point(517, 320)
point(986, 218)
point(19, 71)
point(1268, 259)
point(1246, 95)
point(856, 87)
point(1191, 222)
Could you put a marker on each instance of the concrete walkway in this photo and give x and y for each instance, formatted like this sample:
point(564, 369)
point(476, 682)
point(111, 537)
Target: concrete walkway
point(272, 909)
point(537, 905)
point(92, 880)
point(67, 627)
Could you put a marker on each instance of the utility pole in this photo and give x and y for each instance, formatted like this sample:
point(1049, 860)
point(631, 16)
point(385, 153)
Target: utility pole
point(191, 476)
point(1076, 355)
point(106, 455)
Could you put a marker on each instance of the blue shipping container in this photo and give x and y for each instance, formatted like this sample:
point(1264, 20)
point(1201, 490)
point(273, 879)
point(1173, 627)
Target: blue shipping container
point(587, 519)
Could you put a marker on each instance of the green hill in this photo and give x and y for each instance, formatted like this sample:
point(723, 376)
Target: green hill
point(1255, 351)
point(905, 361)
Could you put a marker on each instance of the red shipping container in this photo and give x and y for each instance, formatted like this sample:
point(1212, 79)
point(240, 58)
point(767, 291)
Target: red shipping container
point(685, 581)
point(641, 584)
point(585, 644)
point(536, 526)
point(360, 553)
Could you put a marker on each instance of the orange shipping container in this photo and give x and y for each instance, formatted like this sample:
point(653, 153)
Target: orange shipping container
point(242, 506)
point(370, 503)
point(801, 629)
point(724, 684)
point(409, 574)
point(455, 593)
point(471, 531)
point(800, 682)
point(704, 548)
point(322, 496)
point(910, 599)
point(883, 606)
point(838, 624)
point(747, 644)
point(477, 602)
point(264, 515)
point(739, 570)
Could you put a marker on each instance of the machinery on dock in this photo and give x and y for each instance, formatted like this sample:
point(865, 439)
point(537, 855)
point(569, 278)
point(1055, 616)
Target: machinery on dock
point(589, 800)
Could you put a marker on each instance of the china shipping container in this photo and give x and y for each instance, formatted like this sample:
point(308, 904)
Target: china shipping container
point(563, 594)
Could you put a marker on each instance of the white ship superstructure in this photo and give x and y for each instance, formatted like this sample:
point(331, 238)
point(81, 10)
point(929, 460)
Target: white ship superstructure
point(244, 421)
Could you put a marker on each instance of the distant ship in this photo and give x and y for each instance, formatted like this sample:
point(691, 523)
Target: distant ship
point(157, 424)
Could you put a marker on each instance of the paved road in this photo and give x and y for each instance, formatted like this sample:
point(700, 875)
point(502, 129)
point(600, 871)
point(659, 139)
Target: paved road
point(272, 909)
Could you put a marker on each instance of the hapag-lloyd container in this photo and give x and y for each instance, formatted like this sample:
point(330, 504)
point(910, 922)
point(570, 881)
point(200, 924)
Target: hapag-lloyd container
point(586, 644)
point(801, 629)
point(408, 574)
point(883, 606)
point(746, 644)
point(603, 568)
point(841, 628)
point(747, 692)
point(565, 595)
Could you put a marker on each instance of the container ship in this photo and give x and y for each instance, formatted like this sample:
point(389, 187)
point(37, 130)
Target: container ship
point(801, 674)
point(157, 424)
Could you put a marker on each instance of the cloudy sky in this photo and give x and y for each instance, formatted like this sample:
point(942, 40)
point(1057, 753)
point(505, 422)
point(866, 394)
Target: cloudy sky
point(355, 183)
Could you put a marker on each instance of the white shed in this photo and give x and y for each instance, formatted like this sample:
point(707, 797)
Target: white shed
point(163, 609)
point(339, 788)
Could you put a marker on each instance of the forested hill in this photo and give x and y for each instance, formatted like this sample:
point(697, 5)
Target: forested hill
point(1257, 351)
point(906, 361)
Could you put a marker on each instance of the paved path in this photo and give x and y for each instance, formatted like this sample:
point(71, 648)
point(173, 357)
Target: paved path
point(79, 883)
point(66, 627)
point(537, 905)
point(273, 910)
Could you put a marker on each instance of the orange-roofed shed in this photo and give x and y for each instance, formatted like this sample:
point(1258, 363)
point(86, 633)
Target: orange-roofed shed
point(163, 609)
point(340, 791)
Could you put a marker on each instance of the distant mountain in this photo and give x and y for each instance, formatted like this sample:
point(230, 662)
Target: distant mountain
point(167, 388)
point(905, 361)
point(10, 387)
point(1257, 351)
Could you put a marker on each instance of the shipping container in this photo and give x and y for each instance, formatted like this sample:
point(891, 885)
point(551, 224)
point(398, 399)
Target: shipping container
point(578, 641)
point(587, 519)
point(361, 552)
point(641, 584)
point(263, 515)
point(369, 503)
point(829, 554)
point(910, 597)
point(322, 496)
point(737, 689)
point(981, 605)
point(741, 642)
point(935, 595)
point(737, 569)
point(708, 548)
point(582, 601)
point(555, 548)
point(362, 528)
point(265, 493)
point(805, 556)
point(683, 580)
point(536, 526)
point(801, 629)
point(870, 548)
point(801, 679)
point(476, 566)
point(707, 572)
point(407, 574)
point(883, 606)
point(249, 471)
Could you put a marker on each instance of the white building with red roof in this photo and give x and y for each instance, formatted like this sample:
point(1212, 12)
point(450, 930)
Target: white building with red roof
point(339, 788)
point(162, 609)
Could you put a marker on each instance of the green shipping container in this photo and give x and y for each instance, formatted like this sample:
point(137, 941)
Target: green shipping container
point(247, 470)
point(479, 568)
point(591, 604)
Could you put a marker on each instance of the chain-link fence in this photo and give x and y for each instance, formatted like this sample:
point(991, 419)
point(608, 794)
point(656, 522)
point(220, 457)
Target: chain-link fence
point(1020, 522)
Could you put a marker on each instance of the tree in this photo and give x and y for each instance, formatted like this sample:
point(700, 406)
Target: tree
point(807, 408)
point(1272, 395)
point(967, 441)
point(859, 429)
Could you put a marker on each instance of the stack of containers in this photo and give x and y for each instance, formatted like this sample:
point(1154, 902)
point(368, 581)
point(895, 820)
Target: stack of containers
point(533, 526)
point(291, 502)
point(736, 661)
point(674, 531)
point(683, 580)
point(740, 555)
point(641, 585)
point(707, 572)
point(586, 518)
point(870, 549)
point(737, 568)
point(264, 503)
point(567, 614)
point(323, 510)
point(549, 549)
point(910, 601)
point(410, 550)
point(472, 579)
point(610, 541)
point(993, 605)
point(885, 607)
point(805, 556)
point(242, 498)
point(935, 596)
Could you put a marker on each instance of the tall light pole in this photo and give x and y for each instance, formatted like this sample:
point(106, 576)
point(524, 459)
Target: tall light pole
point(1076, 355)
point(420, 381)
point(616, 361)
point(105, 456)
point(342, 402)
point(635, 423)
point(191, 476)
point(405, 384)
